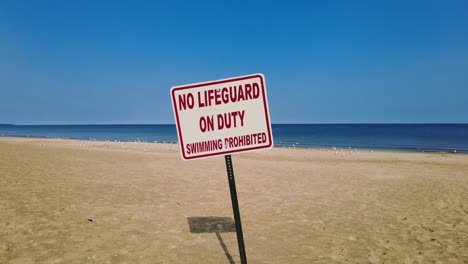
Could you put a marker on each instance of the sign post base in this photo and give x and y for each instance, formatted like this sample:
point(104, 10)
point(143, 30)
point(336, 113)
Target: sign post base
point(235, 209)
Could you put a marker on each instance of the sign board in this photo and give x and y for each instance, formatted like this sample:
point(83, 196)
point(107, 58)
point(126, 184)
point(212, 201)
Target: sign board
point(222, 117)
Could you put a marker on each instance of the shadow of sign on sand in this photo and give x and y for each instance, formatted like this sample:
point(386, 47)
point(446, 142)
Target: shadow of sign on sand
point(212, 224)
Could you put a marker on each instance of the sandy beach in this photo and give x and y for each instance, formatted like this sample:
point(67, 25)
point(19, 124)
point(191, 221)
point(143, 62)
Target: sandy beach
point(70, 201)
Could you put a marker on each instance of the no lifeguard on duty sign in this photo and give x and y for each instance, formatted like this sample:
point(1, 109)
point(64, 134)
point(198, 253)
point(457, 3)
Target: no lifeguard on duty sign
point(222, 117)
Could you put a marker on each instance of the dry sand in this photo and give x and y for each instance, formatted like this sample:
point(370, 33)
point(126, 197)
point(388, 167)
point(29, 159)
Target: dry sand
point(297, 205)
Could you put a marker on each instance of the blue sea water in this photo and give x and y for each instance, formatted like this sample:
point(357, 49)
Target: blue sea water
point(402, 137)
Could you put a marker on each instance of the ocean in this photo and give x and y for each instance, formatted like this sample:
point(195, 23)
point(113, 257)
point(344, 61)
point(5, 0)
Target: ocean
point(400, 137)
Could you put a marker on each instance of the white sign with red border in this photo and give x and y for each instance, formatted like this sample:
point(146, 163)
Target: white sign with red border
point(222, 117)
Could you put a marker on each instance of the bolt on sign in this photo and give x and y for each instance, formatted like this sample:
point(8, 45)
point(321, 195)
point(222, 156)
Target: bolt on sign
point(222, 117)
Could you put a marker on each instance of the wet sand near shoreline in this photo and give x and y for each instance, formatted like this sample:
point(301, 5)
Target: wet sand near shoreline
point(71, 201)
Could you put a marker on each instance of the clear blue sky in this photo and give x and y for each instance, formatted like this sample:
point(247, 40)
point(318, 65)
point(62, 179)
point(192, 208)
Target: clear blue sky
point(93, 62)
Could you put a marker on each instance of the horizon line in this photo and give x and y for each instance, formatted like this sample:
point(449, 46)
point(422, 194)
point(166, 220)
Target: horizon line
point(280, 123)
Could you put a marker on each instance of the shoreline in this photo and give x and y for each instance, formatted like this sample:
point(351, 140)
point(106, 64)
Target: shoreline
point(411, 150)
point(76, 201)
